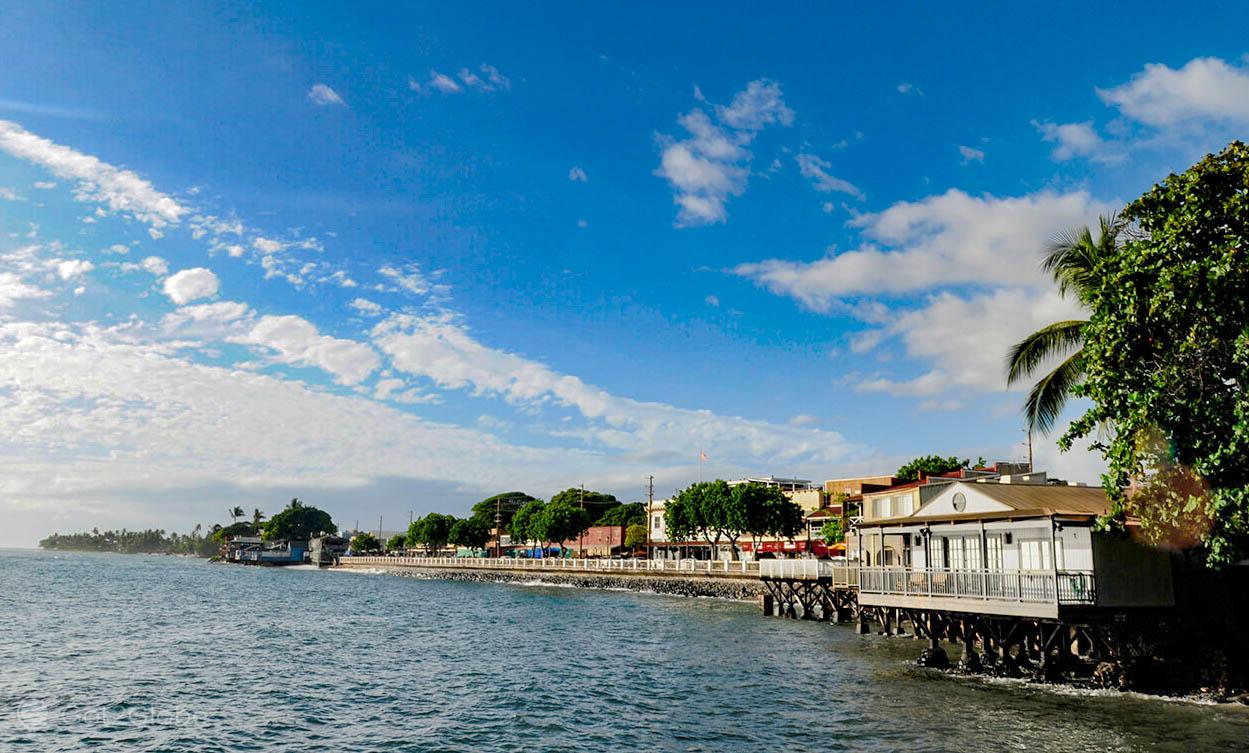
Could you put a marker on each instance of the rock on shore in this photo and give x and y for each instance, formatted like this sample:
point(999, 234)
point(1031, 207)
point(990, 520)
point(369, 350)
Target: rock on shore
point(737, 589)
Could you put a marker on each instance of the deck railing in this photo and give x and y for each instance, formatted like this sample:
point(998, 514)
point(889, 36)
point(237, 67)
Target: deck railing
point(693, 567)
point(1047, 586)
point(808, 569)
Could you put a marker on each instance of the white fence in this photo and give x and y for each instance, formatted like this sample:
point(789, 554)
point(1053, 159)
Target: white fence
point(808, 569)
point(694, 567)
point(1063, 587)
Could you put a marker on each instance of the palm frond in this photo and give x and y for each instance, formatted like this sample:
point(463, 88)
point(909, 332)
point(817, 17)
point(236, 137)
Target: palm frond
point(1074, 256)
point(1052, 340)
point(1049, 396)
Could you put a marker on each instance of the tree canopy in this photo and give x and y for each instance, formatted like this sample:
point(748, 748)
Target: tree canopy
point(931, 465)
point(560, 521)
point(433, 532)
point(624, 515)
point(471, 533)
point(523, 527)
point(596, 503)
point(505, 504)
point(636, 536)
point(1166, 360)
point(298, 522)
point(713, 510)
point(396, 543)
point(365, 542)
point(831, 532)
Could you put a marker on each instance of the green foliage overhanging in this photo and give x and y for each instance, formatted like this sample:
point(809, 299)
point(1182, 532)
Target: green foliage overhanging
point(932, 465)
point(1166, 361)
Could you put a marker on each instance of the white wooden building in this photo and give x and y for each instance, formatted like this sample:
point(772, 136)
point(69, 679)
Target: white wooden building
point(1009, 549)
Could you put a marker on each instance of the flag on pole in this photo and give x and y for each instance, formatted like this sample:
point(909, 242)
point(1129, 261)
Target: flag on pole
point(702, 456)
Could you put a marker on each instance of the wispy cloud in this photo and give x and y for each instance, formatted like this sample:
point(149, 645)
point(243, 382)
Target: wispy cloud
point(815, 170)
point(711, 164)
point(485, 79)
point(970, 154)
point(323, 95)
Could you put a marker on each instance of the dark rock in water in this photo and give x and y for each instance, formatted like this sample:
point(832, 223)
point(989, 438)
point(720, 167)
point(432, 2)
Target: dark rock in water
point(1005, 666)
point(935, 658)
point(970, 663)
point(1109, 674)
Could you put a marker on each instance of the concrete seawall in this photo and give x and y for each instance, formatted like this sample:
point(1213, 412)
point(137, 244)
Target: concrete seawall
point(734, 588)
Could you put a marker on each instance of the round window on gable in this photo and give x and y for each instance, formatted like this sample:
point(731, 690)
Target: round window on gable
point(960, 502)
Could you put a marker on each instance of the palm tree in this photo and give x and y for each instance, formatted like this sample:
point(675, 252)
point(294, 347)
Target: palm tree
point(236, 513)
point(1073, 260)
point(257, 516)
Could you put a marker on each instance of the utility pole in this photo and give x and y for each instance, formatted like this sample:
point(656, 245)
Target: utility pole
point(650, 503)
point(379, 527)
point(581, 544)
point(1029, 433)
point(498, 528)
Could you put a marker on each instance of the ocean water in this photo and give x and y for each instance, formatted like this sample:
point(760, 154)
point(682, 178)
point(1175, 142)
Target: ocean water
point(136, 653)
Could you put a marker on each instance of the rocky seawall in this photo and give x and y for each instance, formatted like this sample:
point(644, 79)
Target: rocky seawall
point(736, 589)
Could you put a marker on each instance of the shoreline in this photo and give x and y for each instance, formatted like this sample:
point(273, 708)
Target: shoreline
point(729, 589)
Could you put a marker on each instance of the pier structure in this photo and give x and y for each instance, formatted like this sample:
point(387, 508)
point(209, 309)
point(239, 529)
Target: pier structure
point(1014, 576)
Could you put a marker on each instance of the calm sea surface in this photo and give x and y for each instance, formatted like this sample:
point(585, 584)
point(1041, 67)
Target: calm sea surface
point(111, 652)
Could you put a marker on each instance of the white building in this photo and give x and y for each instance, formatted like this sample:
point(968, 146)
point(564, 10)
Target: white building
point(1002, 548)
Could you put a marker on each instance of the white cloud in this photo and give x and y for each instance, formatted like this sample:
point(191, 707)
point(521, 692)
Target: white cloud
point(490, 79)
point(711, 164)
point(438, 349)
point(365, 306)
point(1204, 89)
point(68, 269)
point(907, 87)
point(577, 174)
point(117, 248)
point(815, 169)
point(191, 284)
point(45, 185)
point(408, 278)
point(92, 413)
point(298, 342)
point(1073, 140)
point(14, 289)
point(8, 194)
point(443, 83)
point(122, 191)
point(156, 266)
point(759, 105)
point(970, 155)
point(712, 300)
point(950, 238)
point(324, 96)
point(965, 339)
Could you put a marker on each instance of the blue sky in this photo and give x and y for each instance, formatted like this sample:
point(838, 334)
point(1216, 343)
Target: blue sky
point(396, 259)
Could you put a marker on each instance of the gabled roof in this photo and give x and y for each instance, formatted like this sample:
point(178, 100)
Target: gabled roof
point(1020, 501)
point(1047, 499)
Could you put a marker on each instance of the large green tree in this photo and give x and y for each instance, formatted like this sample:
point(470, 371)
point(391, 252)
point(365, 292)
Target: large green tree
point(433, 532)
point(365, 542)
point(596, 503)
point(523, 525)
point(504, 504)
point(1073, 261)
point(1166, 360)
point(471, 533)
point(298, 522)
point(560, 521)
point(623, 515)
point(707, 510)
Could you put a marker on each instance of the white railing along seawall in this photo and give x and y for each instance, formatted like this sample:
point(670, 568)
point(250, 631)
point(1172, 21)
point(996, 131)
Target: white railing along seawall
point(739, 568)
